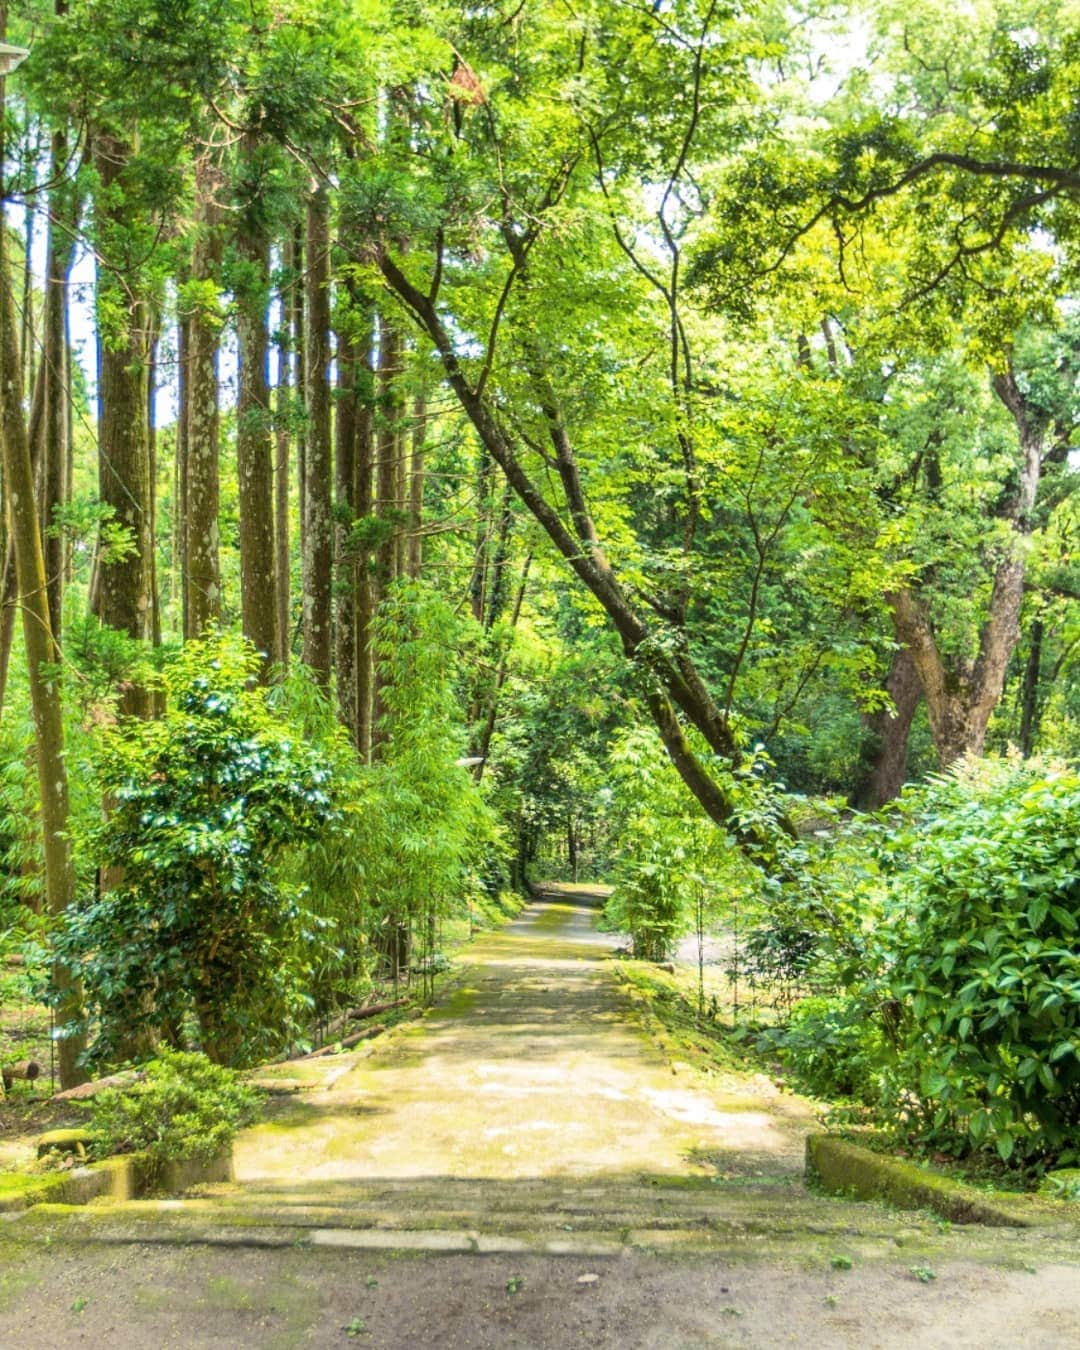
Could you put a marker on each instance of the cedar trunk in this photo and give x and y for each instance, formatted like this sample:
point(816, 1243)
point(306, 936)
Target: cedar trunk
point(258, 599)
point(202, 574)
point(318, 531)
point(56, 485)
point(42, 655)
point(125, 585)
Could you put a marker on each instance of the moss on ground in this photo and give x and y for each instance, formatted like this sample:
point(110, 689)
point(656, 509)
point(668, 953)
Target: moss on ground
point(843, 1168)
point(669, 1000)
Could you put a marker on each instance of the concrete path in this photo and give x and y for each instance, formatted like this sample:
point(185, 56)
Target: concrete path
point(534, 1067)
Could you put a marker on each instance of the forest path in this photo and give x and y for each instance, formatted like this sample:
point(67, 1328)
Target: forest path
point(535, 1066)
point(527, 1133)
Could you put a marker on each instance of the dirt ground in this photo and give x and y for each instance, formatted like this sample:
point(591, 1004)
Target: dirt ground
point(136, 1297)
point(523, 1167)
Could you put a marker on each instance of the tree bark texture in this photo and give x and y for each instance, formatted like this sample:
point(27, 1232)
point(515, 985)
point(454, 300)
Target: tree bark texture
point(318, 527)
point(258, 598)
point(961, 697)
point(63, 212)
point(286, 431)
point(363, 505)
point(388, 444)
point(125, 598)
point(42, 656)
point(346, 570)
point(889, 729)
point(1029, 690)
point(202, 572)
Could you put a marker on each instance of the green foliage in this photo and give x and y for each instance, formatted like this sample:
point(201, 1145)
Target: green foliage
point(949, 923)
point(649, 904)
point(428, 827)
point(20, 844)
point(413, 828)
point(677, 871)
point(185, 1107)
point(831, 1048)
point(983, 958)
point(197, 923)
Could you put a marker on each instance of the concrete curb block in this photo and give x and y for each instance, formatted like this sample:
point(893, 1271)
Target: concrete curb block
point(130, 1177)
point(841, 1168)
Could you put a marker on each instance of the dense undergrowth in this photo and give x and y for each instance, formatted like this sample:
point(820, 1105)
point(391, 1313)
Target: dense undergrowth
point(249, 876)
point(923, 963)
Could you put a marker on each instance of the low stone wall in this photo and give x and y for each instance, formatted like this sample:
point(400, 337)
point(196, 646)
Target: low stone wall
point(842, 1168)
point(130, 1177)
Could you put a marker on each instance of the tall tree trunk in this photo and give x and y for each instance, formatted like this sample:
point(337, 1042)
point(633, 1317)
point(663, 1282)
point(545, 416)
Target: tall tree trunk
point(363, 505)
point(125, 596)
point(152, 449)
point(180, 583)
point(42, 655)
point(346, 570)
point(283, 433)
point(9, 586)
point(300, 337)
point(63, 210)
point(1029, 693)
point(202, 574)
point(258, 599)
point(401, 477)
point(889, 729)
point(8, 606)
point(318, 528)
point(415, 552)
point(387, 481)
point(961, 699)
point(28, 340)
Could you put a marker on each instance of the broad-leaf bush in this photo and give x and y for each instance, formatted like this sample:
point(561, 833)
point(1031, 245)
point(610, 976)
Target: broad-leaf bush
point(945, 953)
point(197, 934)
point(413, 828)
point(185, 1107)
point(984, 960)
point(833, 1049)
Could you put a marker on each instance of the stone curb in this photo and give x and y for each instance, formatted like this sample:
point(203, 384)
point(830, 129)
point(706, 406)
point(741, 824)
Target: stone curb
point(842, 1168)
point(130, 1177)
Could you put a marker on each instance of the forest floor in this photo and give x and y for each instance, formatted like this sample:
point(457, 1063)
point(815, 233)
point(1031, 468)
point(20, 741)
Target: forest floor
point(525, 1166)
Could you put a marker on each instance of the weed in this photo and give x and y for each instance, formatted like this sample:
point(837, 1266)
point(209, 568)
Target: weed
point(513, 1284)
point(840, 1262)
point(923, 1274)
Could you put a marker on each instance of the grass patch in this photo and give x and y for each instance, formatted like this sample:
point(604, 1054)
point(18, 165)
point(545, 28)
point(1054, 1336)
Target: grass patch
point(671, 1001)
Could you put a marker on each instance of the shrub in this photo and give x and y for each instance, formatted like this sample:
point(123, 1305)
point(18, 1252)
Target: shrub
point(648, 903)
point(199, 926)
point(984, 960)
point(186, 1107)
point(833, 1048)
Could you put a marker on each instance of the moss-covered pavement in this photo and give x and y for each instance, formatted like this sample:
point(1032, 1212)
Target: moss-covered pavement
point(523, 1166)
